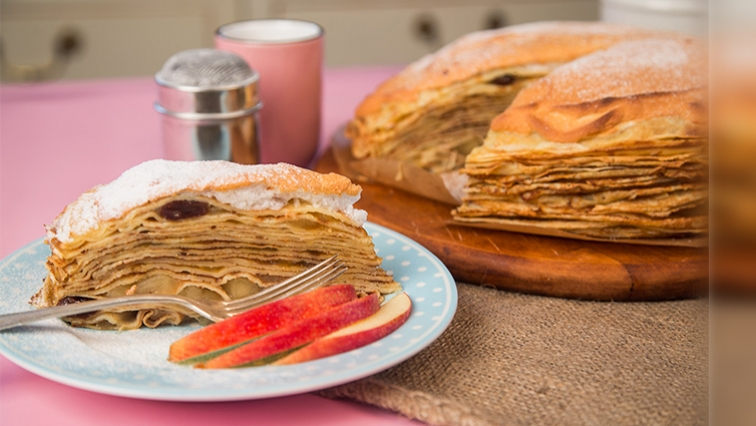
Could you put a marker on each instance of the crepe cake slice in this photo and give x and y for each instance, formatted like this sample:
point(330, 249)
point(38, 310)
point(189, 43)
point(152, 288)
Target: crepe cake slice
point(435, 111)
point(612, 145)
point(208, 230)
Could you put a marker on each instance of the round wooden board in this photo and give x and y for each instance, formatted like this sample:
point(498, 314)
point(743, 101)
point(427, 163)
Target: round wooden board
point(535, 264)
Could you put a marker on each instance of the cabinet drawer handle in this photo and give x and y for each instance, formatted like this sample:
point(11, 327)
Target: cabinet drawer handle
point(67, 44)
point(426, 29)
point(494, 20)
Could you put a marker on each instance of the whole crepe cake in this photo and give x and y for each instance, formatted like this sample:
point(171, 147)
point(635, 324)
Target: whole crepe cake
point(612, 145)
point(435, 111)
point(207, 230)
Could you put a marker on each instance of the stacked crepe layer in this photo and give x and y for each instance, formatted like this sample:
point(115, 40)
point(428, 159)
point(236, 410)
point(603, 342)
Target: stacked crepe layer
point(434, 112)
point(612, 145)
point(204, 237)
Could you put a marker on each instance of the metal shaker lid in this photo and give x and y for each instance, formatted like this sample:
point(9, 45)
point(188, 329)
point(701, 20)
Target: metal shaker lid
point(202, 84)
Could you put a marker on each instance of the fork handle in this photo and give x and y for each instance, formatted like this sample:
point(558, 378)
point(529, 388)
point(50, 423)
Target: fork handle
point(20, 318)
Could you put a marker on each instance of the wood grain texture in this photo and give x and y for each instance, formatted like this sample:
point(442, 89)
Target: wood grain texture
point(535, 264)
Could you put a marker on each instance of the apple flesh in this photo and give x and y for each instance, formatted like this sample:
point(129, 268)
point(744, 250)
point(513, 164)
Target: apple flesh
point(297, 334)
point(390, 317)
point(258, 322)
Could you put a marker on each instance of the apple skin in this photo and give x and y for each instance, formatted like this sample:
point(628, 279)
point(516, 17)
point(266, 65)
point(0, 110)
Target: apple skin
point(259, 321)
point(390, 317)
point(297, 334)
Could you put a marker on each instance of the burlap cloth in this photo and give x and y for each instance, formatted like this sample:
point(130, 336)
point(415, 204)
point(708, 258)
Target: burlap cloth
point(512, 359)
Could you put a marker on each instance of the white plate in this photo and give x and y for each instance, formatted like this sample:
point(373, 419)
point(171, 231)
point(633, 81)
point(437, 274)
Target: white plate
point(133, 363)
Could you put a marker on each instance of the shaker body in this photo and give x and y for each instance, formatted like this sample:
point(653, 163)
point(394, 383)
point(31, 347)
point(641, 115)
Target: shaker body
point(235, 139)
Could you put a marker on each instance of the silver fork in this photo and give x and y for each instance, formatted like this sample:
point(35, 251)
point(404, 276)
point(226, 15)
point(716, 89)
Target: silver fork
point(215, 311)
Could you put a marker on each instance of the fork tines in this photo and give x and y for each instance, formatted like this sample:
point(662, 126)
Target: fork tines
point(308, 280)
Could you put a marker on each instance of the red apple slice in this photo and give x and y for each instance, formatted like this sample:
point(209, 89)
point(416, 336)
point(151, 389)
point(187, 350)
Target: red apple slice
point(297, 334)
point(390, 317)
point(259, 321)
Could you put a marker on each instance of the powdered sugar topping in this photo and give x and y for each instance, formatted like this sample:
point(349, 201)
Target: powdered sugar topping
point(656, 65)
point(245, 187)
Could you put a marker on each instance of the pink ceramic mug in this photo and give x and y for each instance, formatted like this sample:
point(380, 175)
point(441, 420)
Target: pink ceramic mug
point(288, 55)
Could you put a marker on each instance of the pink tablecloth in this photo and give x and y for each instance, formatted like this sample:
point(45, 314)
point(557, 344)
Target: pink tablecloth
point(58, 140)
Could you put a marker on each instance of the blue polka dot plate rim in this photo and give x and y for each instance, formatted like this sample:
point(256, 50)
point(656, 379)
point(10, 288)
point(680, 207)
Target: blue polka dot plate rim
point(133, 363)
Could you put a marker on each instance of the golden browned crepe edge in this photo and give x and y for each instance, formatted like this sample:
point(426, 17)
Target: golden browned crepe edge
point(556, 112)
point(542, 42)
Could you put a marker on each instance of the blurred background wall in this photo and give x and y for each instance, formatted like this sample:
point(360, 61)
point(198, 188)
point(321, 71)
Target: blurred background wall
point(121, 38)
point(82, 39)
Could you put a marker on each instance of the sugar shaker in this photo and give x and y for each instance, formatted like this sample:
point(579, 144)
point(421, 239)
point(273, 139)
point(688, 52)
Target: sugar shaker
point(209, 100)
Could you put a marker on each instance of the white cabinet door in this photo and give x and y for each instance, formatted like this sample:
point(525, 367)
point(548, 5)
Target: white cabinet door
point(117, 38)
point(391, 32)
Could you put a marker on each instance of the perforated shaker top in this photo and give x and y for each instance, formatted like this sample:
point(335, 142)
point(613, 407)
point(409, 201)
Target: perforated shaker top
point(205, 68)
